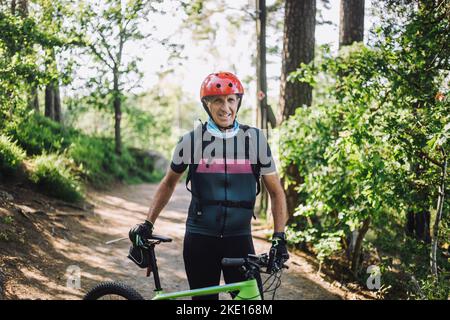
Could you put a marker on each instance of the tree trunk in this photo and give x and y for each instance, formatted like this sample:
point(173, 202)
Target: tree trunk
point(418, 220)
point(57, 103)
point(351, 29)
point(351, 22)
point(117, 113)
point(56, 93)
point(13, 7)
point(261, 87)
point(410, 225)
point(49, 102)
point(418, 223)
point(422, 220)
point(20, 7)
point(33, 99)
point(292, 196)
point(23, 8)
point(261, 83)
point(440, 204)
point(298, 47)
point(356, 258)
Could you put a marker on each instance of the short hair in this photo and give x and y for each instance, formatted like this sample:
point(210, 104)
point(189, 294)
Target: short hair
point(208, 99)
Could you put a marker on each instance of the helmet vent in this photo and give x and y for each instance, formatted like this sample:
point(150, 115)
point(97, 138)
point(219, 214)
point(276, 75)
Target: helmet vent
point(230, 84)
point(218, 85)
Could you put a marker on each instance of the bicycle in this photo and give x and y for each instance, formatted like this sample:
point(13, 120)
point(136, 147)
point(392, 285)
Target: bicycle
point(246, 290)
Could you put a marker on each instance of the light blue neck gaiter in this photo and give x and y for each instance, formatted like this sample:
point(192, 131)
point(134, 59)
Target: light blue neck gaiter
point(215, 131)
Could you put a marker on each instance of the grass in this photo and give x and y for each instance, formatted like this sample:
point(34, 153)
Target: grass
point(53, 175)
point(11, 155)
point(64, 159)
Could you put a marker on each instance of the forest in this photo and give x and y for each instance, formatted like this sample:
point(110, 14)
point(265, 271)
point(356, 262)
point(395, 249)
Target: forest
point(94, 96)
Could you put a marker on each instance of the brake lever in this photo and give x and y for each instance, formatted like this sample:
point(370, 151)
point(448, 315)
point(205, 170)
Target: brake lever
point(271, 263)
point(152, 242)
point(254, 264)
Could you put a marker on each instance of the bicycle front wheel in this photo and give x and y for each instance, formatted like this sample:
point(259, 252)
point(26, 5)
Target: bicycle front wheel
point(112, 291)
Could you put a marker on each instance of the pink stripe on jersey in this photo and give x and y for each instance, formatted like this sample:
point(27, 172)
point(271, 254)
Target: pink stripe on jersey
point(234, 166)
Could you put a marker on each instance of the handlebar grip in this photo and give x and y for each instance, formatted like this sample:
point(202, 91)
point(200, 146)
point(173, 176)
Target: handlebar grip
point(233, 262)
point(272, 254)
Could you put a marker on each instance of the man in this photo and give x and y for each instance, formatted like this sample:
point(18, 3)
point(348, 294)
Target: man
point(225, 160)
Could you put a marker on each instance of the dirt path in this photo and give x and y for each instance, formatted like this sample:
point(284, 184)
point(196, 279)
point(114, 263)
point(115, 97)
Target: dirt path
point(80, 242)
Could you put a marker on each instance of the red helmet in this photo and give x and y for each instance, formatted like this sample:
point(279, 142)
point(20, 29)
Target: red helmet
point(221, 83)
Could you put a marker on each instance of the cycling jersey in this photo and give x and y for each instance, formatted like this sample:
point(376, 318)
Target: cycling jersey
point(223, 174)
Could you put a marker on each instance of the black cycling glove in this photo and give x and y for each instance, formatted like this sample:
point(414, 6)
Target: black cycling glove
point(279, 244)
point(141, 232)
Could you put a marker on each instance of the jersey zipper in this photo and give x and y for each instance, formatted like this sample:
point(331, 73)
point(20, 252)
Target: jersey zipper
point(226, 185)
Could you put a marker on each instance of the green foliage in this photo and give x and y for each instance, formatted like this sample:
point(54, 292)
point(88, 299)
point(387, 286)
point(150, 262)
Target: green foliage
point(100, 164)
point(36, 133)
point(8, 220)
point(156, 119)
point(106, 29)
point(94, 156)
point(144, 166)
point(300, 236)
point(11, 155)
point(4, 237)
point(372, 144)
point(28, 46)
point(329, 243)
point(91, 154)
point(18, 67)
point(21, 67)
point(54, 174)
point(432, 290)
point(153, 120)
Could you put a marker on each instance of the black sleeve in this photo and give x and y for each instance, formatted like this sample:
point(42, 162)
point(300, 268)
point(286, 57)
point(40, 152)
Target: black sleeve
point(178, 168)
point(178, 164)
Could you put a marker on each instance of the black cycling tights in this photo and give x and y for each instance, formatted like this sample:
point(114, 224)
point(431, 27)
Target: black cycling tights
point(202, 260)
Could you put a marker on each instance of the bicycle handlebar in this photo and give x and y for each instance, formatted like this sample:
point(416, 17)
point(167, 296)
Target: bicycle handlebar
point(233, 262)
point(251, 263)
point(255, 262)
point(159, 238)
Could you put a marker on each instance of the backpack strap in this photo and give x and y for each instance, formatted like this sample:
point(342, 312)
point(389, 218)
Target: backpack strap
point(193, 166)
point(256, 170)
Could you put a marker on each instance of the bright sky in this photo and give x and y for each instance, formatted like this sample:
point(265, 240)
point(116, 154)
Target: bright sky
point(234, 57)
point(198, 66)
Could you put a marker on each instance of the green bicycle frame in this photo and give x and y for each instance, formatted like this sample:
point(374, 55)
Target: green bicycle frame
point(248, 290)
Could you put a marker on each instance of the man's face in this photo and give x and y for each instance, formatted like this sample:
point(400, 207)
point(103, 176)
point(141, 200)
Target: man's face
point(223, 109)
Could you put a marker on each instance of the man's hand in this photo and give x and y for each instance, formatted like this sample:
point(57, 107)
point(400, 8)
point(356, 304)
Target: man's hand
point(279, 244)
point(141, 232)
